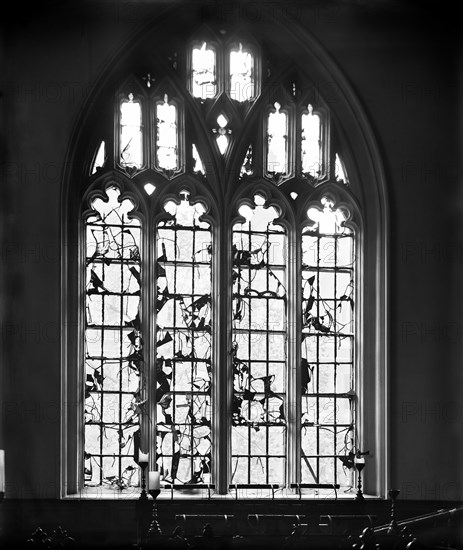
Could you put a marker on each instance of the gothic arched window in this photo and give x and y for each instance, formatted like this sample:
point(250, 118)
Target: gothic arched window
point(221, 287)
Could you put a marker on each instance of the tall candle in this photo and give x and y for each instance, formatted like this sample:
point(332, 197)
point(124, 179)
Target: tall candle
point(154, 481)
point(2, 471)
point(142, 457)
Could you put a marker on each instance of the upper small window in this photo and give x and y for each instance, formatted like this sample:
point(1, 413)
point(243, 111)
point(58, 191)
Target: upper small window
point(311, 144)
point(241, 77)
point(166, 135)
point(217, 67)
point(131, 137)
point(203, 72)
point(277, 141)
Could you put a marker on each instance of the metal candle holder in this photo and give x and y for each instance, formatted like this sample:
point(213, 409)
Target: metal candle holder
point(393, 527)
point(154, 528)
point(359, 465)
point(143, 494)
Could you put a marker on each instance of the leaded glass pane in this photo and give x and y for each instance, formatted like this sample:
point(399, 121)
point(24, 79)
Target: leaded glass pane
point(203, 79)
point(311, 144)
point(166, 135)
point(277, 141)
point(327, 364)
point(184, 368)
point(113, 343)
point(259, 347)
point(131, 137)
point(241, 74)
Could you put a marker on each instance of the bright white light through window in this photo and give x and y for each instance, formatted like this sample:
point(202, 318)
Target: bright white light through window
point(222, 138)
point(198, 165)
point(328, 347)
point(100, 158)
point(166, 142)
point(149, 188)
point(131, 139)
point(311, 144)
point(340, 173)
point(259, 346)
point(241, 74)
point(203, 82)
point(277, 136)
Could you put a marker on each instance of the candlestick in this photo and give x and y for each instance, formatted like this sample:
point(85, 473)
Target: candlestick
point(143, 457)
point(154, 481)
point(154, 528)
point(393, 527)
point(143, 462)
point(359, 465)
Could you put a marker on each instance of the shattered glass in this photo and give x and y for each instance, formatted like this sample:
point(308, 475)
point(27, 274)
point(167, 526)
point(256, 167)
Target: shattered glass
point(259, 347)
point(327, 358)
point(113, 343)
point(183, 348)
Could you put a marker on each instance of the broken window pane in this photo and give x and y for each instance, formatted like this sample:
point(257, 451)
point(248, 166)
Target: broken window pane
point(167, 136)
point(311, 144)
point(203, 80)
point(259, 347)
point(184, 367)
point(113, 342)
point(241, 74)
point(327, 362)
point(277, 141)
point(131, 137)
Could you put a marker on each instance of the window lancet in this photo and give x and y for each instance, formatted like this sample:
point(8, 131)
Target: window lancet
point(241, 74)
point(259, 354)
point(328, 399)
point(184, 347)
point(131, 136)
point(167, 135)
point(311, 144)
point(277, 141)
point(113, 342)
point(203, 72)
